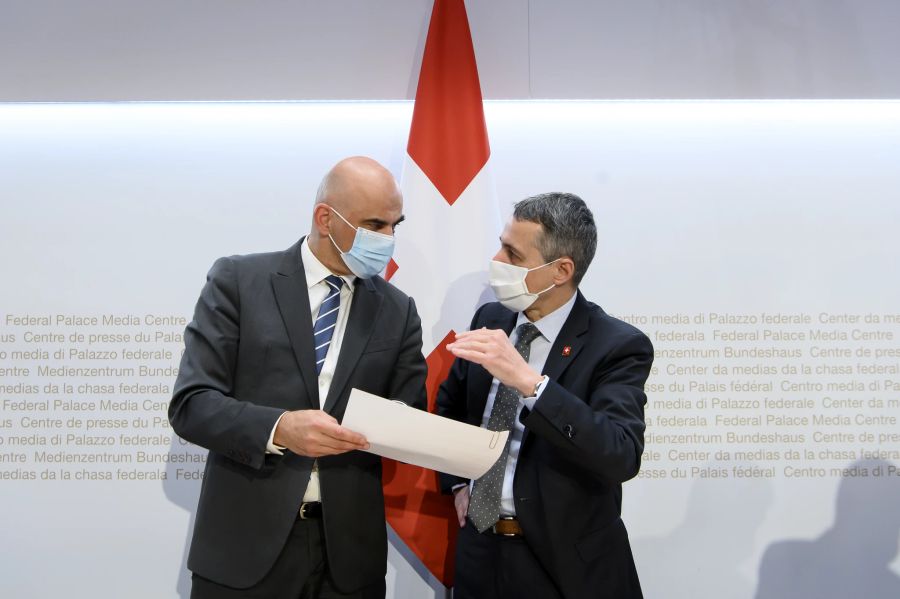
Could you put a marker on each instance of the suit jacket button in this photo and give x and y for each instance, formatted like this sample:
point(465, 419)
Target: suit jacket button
point(569, 430)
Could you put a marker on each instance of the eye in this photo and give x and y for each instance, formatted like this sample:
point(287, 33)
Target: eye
point(375, 226)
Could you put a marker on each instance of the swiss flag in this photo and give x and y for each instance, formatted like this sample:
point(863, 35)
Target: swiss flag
point(442, 253)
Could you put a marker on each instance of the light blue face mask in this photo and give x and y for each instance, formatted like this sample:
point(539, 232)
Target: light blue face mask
point(370, 252)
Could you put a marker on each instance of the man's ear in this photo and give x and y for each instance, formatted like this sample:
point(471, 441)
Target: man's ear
point(565, 271)
point(322, 219)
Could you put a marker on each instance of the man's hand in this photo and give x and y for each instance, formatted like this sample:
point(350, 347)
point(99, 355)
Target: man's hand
point(315, 433)
point(461, 503)
point(492, 349)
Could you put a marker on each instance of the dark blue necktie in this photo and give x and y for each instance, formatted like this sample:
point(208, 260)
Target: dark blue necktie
point(327, 319)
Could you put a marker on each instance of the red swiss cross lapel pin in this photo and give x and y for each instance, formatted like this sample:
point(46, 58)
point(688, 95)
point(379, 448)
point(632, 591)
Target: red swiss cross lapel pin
point(567, 350)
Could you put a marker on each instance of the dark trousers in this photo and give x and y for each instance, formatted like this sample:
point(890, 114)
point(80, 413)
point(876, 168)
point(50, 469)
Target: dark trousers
point(300, 572)
point(490, 566)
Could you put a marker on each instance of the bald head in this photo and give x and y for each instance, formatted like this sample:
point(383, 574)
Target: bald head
point(354, 179)
point(365, 194)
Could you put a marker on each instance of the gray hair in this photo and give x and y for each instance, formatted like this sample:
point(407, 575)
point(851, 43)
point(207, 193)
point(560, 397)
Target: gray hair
point(568, 228)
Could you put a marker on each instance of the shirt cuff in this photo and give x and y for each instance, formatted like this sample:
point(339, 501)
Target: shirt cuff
point(270, 445)
point(528, 402)
point(458, 486)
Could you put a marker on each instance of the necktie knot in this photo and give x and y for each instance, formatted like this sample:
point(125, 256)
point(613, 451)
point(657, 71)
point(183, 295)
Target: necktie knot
point(335, 282)
point(527, 333)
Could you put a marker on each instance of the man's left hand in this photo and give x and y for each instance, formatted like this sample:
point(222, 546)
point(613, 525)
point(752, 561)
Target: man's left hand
point(492, 349)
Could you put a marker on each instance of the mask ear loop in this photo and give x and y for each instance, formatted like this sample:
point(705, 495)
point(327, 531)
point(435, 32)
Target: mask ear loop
point(347, 221)
point(333, 242)
point(357, 229)
point(546, 290)
point(542, 266)
point(547, 264)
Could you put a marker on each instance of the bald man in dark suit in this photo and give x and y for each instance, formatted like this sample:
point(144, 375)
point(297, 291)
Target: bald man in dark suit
point(290, 505)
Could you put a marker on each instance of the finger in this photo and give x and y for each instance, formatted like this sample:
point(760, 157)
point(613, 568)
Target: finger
point(340, 433)
point(476, 357)
point(472, 356)
point(464, 508)
point(335, 430)
point(499, 344)
point(342, 445)
point(329, 446)
point(474, 343)
point(316, 446)
point(476, 334)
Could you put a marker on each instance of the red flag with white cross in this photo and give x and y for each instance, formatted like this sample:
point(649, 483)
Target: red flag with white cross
point(442, 253)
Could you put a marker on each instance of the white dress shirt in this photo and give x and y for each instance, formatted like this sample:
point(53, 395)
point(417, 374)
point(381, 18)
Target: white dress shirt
point(318, 291)
point(549, 327)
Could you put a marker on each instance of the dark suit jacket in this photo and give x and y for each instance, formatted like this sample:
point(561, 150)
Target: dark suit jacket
point(249, 357)
point(584, 437)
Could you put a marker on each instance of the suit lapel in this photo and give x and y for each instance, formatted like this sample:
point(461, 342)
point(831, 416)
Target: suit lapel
point(565, 349)
point(292, 296)
point(569, 342)
point(363, 315)
point(481, 379)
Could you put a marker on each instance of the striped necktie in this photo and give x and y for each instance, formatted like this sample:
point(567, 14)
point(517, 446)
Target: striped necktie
point(327, 319)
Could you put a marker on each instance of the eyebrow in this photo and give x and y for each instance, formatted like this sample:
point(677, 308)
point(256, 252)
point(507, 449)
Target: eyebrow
point(378, 223)
point(510, 248)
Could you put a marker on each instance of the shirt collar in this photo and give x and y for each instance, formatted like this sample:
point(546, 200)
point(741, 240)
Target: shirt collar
point(551, 324)
point(316, 271)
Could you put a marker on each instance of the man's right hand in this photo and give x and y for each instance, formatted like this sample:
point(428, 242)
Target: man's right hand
point(461, 503)
point(315, 433)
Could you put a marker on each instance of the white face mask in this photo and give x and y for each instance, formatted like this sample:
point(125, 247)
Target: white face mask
point(508, 283)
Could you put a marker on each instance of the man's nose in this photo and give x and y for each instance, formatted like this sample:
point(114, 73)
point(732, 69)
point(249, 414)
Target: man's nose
point(501, 256)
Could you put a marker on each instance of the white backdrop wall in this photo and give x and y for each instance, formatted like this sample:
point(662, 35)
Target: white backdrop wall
point(95, 50)
point(755, 237)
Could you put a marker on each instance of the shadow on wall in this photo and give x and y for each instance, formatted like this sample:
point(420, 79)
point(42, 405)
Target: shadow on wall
point(462, 299)
point(702, 556)
point(851, 558)
point(184, 494)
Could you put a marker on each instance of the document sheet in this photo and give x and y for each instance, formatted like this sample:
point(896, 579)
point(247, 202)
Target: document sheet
point(395, 430)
